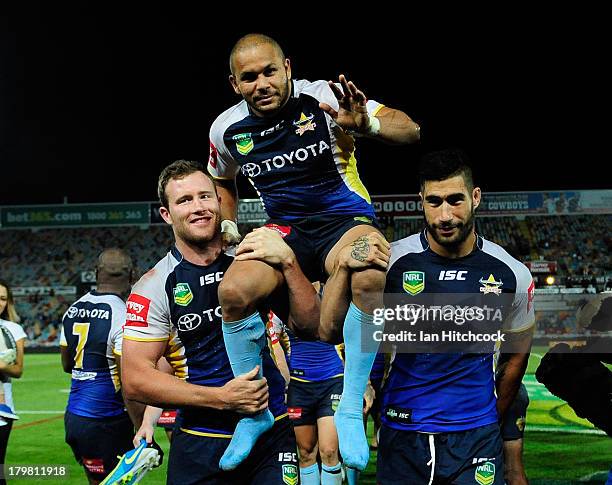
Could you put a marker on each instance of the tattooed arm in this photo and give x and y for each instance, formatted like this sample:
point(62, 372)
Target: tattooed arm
point(365, 252)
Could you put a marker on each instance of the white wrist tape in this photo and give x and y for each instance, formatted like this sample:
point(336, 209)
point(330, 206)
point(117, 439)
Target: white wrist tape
point(374, 127)
point(230, 227)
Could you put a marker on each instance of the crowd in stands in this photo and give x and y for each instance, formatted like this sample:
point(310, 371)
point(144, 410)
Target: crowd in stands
point(57, 257)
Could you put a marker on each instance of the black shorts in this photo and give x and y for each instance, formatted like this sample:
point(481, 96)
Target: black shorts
point(96, 442)
point(313, 238)
point(473, 457)
point(195, 459)
point(513, 427)
point(309, 401)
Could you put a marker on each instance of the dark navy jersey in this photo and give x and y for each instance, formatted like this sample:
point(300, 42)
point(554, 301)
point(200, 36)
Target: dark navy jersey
point(445, 392)
point(300, 161)
point(91, 331)
point(308, 361)
point(177, 302)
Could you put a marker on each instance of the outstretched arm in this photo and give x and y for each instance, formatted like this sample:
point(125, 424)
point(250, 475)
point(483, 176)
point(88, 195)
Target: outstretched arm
point(389, 125)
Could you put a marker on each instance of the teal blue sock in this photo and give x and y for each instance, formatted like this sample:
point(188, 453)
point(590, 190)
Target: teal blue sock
point(331, 475)
point(310, 475)
point(244, 341)
point(352, 476)
point(349, 416)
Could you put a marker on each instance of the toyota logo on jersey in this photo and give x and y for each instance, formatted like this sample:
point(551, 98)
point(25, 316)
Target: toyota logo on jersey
point(189, 322)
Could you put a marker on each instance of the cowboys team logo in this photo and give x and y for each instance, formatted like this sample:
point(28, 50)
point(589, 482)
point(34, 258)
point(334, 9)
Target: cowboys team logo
point(485, 473)
point(304, 124)
point(414, 282)
point(290, 474)
point(182, 294)
point(244, 143)
point(490, 285)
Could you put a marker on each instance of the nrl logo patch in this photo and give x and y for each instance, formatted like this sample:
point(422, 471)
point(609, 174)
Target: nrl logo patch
point(490, 285)
point(485, 473)
point(414, 282)
point(304, 124)
point(290, 474)
point(182, 294)
point(244, 143)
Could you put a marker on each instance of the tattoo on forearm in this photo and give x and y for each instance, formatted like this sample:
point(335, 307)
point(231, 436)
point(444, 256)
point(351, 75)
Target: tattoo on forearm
point(361, 249)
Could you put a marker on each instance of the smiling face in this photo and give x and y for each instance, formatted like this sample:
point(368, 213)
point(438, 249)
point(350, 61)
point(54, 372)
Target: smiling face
point(449, 207)
point(262, 77)
point(193, 209)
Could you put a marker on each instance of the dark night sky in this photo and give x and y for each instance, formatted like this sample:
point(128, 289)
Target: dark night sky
point(92, 106)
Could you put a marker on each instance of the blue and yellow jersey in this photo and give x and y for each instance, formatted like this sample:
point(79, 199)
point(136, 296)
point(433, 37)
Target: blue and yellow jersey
point(300, 161)
point(446, 392)
point(91, 331)
point(308, 361)
point(176, 302)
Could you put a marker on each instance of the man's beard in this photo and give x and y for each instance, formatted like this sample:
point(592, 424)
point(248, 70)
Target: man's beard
point(464, 229)
point(202, 241)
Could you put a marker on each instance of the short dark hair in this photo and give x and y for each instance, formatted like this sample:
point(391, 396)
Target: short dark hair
point(444, 164)
point(253, 40)
point(177, 170)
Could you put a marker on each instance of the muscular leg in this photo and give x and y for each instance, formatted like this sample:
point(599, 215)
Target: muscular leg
point(366, 289)
point(328, 449)
point(245, 285)
point(306, 438)
point(514, 470)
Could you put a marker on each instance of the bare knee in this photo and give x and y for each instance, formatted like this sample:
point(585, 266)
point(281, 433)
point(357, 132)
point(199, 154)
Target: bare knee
point(367, 288)
point(329, 455)
point(308, 454)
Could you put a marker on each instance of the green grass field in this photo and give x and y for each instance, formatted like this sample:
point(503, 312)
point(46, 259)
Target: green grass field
point(556, 450)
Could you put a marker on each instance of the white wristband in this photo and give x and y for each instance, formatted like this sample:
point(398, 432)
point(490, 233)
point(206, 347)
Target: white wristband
point(373, 127)
point(230, 227)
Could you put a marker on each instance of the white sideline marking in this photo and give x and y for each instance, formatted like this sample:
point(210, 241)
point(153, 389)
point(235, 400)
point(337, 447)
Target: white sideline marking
point(39, 412)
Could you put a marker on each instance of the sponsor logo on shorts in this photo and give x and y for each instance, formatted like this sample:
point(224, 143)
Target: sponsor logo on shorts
point(79, 375)
point(399, 415)
point(294, 413)
point(182, 294)
point(485, 473)
point(290, 474)
point(94, 465)
point(413, 282)
point(365, 219)
point(284, 231)
point(167, 417)
point(244, 143)
point(137, 311)
point(520, 424)
point(335, 401)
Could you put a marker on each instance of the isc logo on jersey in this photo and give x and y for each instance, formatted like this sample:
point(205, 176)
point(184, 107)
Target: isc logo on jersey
point(137, 311)
point(253, 170)
point(451, 275)
point(211, 278)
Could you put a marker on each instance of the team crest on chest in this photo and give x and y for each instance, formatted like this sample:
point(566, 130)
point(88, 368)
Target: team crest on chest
point(304, 124)
point(490, 285)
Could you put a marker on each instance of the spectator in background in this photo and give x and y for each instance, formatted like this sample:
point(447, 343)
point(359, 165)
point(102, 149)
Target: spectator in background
point(9, 319)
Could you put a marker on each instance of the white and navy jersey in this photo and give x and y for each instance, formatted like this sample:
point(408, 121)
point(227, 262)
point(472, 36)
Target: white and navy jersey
point(445, 392)
point(92, 331)
point(300, 161)
point(176, 302)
